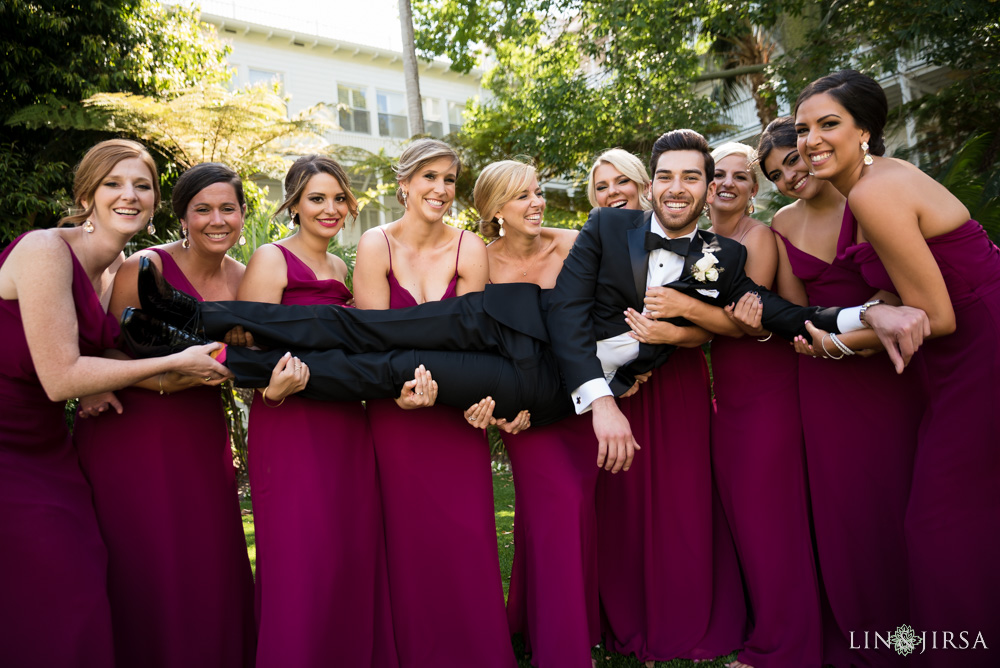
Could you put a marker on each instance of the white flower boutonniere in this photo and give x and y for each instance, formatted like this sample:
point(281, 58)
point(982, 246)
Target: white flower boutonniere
point(704, 270)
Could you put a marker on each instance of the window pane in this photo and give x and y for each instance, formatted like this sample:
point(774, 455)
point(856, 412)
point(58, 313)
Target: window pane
point(361, 123)
point(432, 109)
point(391, 103)
point(455, 111)
point(434, 128)
point(346, 120)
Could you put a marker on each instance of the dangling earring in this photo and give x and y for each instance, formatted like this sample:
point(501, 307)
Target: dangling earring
point(150, 228)
point(750, 207)
point(243, 240)
point(88, 227)
point(404, 200)
point(500, 223)
point(293, 221)
point(186, 243)
point(868, 158)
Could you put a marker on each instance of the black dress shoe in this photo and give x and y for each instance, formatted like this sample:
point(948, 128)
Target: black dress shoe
point(163, 301)
point(145, 336)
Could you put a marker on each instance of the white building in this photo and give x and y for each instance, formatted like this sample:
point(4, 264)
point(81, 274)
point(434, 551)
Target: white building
point(313, 64)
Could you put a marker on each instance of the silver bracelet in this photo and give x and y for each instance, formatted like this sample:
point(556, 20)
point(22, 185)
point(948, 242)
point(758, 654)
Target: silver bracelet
point(766, 338)
point(844, 348)
point(823, 343)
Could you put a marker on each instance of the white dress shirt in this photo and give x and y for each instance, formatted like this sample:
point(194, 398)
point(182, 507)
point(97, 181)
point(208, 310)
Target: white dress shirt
point(663, 267)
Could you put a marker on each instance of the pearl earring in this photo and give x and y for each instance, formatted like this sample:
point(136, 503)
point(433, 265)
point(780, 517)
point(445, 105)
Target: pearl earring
point(88, 227)
point(868, 158)
point(186, 243)
point(500, 223)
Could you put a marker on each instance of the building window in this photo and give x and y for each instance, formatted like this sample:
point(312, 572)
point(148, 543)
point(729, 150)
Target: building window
point(392, 115)
point(433, 119)
point(352, 110)
point(266, 77)
point(455, 112)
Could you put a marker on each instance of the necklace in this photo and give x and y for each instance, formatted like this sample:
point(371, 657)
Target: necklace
point(519, 261)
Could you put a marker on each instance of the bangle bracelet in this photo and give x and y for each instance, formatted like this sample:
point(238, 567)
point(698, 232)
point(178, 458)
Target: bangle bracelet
point(844, 348)
point(823, 343)
point(160, 381)
point(264, 399)
point(766, 338)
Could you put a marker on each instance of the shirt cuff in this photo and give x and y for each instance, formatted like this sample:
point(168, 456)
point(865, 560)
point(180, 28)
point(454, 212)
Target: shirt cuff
point(849, 320)
point(586, 394)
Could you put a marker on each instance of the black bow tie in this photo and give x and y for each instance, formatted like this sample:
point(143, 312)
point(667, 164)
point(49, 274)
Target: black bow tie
point(654, 241)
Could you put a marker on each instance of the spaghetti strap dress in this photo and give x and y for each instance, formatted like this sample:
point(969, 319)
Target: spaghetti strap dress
point(437, 498)
point(952, 520)
point(859, 478)
point(759, 466)
point(54, 609)
point(667, 572)
point(164, 485)
point(317, 515)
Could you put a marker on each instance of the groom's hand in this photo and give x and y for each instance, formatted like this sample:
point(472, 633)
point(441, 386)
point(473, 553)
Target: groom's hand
point(615, 444)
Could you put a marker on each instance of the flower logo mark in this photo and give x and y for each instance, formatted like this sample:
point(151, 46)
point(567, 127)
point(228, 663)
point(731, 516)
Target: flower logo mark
point(704, 270)
point(904, 640)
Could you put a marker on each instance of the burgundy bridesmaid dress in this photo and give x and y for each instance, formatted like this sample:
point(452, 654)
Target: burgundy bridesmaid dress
point(668, 578)
point(552, 598)
point(317, 516)
point(164, 486)
point(758, 461)
point(54, 608)
point(952, 520)
point(440, 531)
point(859, 475)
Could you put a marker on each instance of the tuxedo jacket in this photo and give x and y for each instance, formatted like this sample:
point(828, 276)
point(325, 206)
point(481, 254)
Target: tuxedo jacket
point(605, 273)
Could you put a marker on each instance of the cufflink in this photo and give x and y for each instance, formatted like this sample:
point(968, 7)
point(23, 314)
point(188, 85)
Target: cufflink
point(578, 400)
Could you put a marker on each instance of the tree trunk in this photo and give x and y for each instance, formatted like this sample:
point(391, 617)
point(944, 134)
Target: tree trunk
point(414, 107)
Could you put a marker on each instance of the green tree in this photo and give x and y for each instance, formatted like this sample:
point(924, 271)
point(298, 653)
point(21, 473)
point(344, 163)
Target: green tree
point(56, 54)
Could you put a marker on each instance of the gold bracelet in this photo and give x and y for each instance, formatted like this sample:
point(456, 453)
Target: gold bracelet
point(160, 381)
point(263, 397)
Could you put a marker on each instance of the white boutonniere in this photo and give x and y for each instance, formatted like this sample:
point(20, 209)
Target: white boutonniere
point(704, 270)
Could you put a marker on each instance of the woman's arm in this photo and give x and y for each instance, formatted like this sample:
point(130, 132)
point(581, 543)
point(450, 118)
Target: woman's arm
point(42, 272)
point(266, 276)
point(473, 265)
point(371, 271)
point(656, 332)
point(890, 224)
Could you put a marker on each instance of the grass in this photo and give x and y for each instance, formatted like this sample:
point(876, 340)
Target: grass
point(503, 500)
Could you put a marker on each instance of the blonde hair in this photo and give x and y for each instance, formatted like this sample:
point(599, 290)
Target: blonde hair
point(497, 185)
point(97, 164)
point(418, 154)
point(736, 148)
point(630, 166)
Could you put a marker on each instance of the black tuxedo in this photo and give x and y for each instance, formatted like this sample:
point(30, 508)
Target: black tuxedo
point(605, 273)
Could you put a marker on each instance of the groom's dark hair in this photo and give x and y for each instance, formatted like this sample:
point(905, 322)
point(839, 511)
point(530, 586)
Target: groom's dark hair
point(682, 140)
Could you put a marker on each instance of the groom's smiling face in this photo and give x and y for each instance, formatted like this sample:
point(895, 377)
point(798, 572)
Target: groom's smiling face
point(679, 190)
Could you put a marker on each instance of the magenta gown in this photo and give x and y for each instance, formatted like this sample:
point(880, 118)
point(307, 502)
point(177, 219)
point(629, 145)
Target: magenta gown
point(552, 598)
point(859, 478)
point(952, 520)
point(317, 516)
point(164, 486)
point(758, 460)
point(440, 531)
point(668, 578)
point(54, 610)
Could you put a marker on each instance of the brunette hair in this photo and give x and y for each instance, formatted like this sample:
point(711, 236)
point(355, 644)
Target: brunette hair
point(418, 154)
point(497, 184)
point(199, 177)
point(861, 96)
point(97, 164)
point(307, 167)
point(630, 167)
point(779, 133)
point(682, 140)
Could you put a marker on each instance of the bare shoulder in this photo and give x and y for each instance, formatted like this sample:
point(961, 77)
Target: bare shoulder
point(562, 237)
point(786, 218)
point(759, 238)
point(267, 256)
point(374, 245)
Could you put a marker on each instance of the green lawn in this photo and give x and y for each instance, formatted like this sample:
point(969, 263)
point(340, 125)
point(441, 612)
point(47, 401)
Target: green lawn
point(503, 499)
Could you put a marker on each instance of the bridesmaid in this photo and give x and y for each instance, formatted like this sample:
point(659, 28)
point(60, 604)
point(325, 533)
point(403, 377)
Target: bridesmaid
point(757, 451)
point(312, 466)
point(553, 583)
point(437, 489)
point(658, 599)
point(179, 578)
point(906, 233)
point(859, 481)
point(54, 287)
